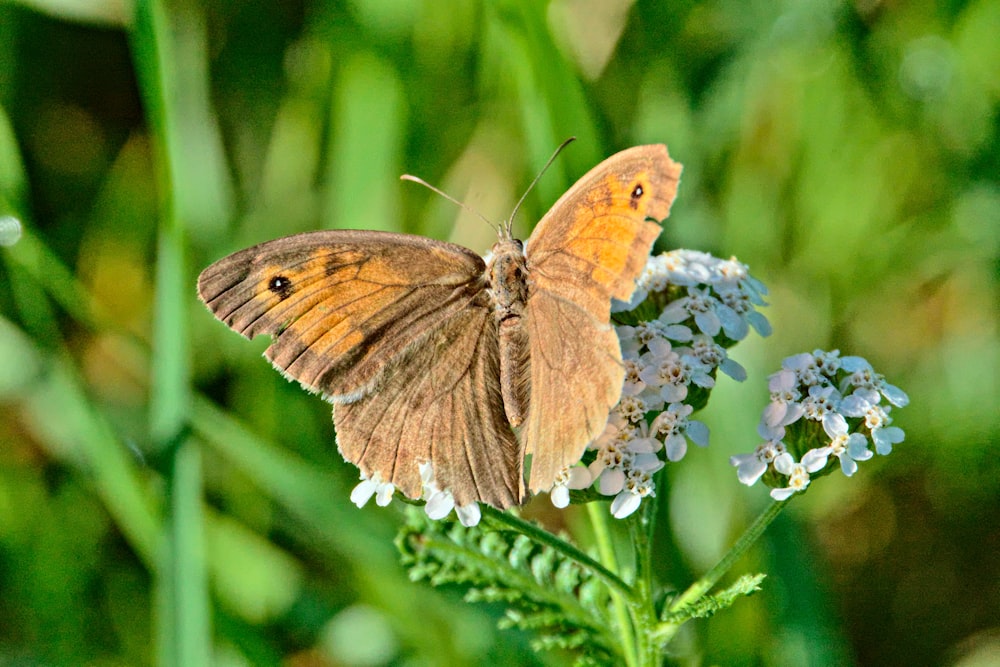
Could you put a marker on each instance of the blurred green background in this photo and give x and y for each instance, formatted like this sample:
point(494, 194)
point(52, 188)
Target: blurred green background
point(166, 497)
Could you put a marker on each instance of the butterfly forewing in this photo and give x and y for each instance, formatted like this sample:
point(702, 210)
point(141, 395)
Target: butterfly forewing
point(341, 304)
point(597, 237)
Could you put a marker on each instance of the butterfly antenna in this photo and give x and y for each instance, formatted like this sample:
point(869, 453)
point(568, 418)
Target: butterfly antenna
point(462, 205)
point(510, 221)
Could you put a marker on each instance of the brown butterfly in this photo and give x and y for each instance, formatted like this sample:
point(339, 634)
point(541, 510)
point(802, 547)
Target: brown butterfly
point(431, 354)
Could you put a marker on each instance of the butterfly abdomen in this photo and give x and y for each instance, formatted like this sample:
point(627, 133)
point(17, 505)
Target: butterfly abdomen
point(507, 276)
point(515, 371)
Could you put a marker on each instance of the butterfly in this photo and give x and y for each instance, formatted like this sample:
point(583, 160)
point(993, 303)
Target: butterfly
point(433, 355)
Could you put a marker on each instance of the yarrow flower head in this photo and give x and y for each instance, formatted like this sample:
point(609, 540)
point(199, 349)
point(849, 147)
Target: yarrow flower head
point(674, 335)
point(825, 411)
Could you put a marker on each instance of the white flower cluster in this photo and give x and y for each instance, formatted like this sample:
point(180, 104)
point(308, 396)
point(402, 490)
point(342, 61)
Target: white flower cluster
point(820, 397)
point(720, 293)
point(702, 305)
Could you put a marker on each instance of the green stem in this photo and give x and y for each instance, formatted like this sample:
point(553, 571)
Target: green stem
point(641, 526)
point(643, 611)
point(598, 514)
point(665, 632)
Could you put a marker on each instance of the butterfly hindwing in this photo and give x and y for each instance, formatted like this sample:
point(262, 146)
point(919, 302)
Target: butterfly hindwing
point(442, 406)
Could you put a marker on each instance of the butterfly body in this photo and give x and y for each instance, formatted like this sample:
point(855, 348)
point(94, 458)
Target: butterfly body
point(508, 288)
point(431, 355)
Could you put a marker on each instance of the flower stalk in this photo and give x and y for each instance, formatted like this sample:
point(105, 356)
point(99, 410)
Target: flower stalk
point(667, 629)
point(621, 600)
